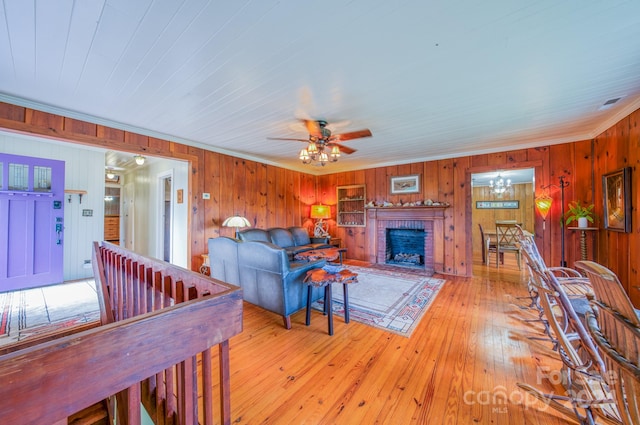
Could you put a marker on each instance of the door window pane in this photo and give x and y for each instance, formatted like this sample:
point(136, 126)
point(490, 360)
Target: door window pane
point(18, 177)
point(41, 179)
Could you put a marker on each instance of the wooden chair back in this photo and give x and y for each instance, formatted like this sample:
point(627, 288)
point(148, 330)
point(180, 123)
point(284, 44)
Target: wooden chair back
point(508, 239)
point(608, 289)
point(484, 243)
point(619, 342)
point(488, 246)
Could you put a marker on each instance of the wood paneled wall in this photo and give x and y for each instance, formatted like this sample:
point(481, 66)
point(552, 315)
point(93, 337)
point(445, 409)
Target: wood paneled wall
point(268, 196)
point(273, 196)
point(582, 164)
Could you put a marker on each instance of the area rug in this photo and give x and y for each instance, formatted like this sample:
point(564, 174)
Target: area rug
point(34, 312)
point(386, 299)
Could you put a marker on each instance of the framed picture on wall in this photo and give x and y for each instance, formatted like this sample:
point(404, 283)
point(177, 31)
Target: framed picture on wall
point(616, 190)
point(510, 205)
point(405, 184)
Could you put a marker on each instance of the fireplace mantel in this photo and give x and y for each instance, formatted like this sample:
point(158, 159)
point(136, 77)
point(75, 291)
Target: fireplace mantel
point(430, 218)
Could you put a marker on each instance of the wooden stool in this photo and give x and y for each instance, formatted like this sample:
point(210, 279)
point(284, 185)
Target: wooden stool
point(321, 278)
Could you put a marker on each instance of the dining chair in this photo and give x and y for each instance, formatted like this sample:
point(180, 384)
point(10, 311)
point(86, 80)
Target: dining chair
point(488, 246)
point(508, 239)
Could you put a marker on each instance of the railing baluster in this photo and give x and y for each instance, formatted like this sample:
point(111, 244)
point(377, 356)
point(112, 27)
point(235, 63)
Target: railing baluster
point(136, 287)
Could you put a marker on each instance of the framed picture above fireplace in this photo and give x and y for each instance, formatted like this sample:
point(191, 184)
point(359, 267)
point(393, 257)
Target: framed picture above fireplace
point(405, 184)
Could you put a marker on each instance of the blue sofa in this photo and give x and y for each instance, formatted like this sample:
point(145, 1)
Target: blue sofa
point(293, 239)
point(264, 272)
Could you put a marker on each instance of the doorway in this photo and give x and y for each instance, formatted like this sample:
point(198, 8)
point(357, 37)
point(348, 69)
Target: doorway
point(501, 195)
point(165, 218)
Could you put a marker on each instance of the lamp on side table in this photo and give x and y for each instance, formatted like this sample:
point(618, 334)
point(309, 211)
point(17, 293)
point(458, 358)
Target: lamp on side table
point(320, 212)
point(237, 222)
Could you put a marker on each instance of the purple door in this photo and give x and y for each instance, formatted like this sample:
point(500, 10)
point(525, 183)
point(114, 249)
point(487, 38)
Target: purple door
point(31, 222)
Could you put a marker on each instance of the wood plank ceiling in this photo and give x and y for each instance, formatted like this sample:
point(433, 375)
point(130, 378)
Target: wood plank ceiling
point(431, 79)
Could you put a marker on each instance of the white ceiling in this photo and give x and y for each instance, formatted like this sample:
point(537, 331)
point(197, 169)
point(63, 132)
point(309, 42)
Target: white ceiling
point(430, 79)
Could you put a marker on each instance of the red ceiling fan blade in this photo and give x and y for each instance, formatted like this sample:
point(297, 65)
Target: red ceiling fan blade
point(313, 128)
point(350, 136)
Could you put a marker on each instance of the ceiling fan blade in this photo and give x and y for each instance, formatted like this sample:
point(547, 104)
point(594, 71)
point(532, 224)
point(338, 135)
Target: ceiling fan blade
point(284, 138)
point(313, 128)
point(350, 136)
point(343, 149)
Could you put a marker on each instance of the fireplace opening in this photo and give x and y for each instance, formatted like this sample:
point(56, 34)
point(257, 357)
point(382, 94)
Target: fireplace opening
point(405, 247)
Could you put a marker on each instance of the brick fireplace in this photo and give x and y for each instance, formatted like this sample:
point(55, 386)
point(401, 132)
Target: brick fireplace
point(427, 219)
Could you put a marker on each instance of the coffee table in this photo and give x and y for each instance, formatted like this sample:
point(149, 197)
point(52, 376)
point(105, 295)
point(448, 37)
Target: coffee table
point(329, 254)
point(321, 278)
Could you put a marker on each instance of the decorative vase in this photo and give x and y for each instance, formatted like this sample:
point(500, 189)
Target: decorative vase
point(583, 222)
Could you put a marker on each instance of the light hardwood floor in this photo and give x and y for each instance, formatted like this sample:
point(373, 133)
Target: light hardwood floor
point(460, 366)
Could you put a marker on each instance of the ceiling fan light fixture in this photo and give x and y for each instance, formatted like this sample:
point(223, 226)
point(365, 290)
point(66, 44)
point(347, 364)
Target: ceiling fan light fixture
point(335, 153)
point(110, 175)
point(304, 156)
point(322, 146)
point(312, 148)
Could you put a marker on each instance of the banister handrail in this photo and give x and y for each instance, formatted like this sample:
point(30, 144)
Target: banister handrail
point(48, 382)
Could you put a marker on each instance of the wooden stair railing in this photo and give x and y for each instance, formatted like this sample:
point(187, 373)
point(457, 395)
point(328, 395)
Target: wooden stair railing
point(158, 321)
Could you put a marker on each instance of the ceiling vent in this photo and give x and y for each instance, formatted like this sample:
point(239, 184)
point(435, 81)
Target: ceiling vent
point(609, 103)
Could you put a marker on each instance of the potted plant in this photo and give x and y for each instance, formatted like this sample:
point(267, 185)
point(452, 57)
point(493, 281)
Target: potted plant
point(581, 214)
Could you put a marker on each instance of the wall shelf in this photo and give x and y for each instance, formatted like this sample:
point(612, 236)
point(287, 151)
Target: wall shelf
point(80, 193)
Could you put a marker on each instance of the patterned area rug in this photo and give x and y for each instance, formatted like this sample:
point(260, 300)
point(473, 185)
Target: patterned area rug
point(386, 299)
point(34, 312)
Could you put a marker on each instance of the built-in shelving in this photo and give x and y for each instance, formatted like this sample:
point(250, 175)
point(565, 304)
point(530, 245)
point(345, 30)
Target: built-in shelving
point(350, 208)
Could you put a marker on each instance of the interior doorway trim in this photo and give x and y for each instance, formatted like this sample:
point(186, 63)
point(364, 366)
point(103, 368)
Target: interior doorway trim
point(164, 242)
point(539, 179)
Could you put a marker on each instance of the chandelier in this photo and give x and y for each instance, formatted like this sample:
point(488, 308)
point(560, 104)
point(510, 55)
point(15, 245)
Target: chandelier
point(317, 152)
point(499, 187)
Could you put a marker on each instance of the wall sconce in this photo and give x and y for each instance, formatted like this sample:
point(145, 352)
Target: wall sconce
point(237, 222)
point(139, 159)
point(320, 212)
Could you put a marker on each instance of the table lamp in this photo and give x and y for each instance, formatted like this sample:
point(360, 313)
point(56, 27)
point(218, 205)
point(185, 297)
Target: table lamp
point(320, 212)
point(237, 222)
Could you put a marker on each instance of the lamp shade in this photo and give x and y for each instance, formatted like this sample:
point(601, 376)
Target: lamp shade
point(236, 221)
point(320, 211)
point(543, 203)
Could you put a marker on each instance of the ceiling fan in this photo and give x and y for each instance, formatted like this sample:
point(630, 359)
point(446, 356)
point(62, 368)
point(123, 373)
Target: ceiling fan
point(321, 140)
